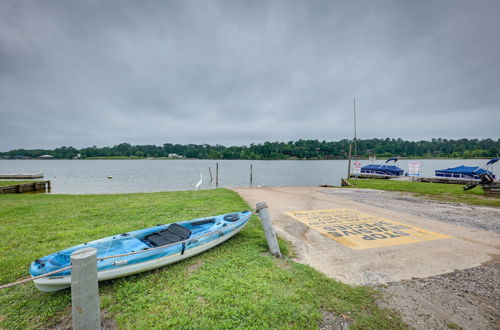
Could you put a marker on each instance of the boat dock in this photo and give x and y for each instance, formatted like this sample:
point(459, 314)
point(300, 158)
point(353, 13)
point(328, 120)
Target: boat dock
point(26, 187)
point(21, 176)
point(372, 176)
point(447, 180)
point(461, 181)
point(492, 190)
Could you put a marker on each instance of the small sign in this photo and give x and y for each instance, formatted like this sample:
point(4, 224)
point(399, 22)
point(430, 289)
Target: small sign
point(357, 167)
point(361, 231)
point(413, 168)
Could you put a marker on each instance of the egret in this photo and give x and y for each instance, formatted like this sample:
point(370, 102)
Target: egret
point(199, 182)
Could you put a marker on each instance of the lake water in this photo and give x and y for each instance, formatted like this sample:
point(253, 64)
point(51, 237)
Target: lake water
point(90, 176)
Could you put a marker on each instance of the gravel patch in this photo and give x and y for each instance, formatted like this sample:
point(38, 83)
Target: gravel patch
point(466, 298)
point(472, 216)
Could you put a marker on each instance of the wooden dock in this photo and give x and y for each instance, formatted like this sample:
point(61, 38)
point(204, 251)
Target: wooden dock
point(20, 176)
point(492, 189)
point(413, 178)
point(26, 187)
point(447, 180)
point(372, 176)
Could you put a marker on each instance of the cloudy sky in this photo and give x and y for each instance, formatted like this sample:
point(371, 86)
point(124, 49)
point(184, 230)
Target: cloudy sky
point(85, 73)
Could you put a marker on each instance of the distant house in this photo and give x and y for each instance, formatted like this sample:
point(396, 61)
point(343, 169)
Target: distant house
point(46, 157)
point(175, 156)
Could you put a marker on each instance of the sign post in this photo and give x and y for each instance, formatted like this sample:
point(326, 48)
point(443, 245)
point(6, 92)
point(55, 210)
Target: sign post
point(413, 169)
point(357, 168)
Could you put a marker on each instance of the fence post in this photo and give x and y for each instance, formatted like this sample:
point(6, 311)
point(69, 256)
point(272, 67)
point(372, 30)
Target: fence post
point(85, 309)
point(265, 218)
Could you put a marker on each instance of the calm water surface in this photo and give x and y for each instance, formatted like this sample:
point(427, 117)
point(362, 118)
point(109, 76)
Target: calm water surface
point(90, 176)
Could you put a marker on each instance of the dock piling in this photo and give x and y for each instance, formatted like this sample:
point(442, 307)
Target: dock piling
point(210, 171)
point(217, 175)
point(251, 174)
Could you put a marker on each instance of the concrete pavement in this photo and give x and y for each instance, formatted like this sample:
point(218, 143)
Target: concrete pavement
point(455, 247)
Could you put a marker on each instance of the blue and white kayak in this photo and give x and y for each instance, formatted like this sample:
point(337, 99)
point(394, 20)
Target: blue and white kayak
point(146, 249)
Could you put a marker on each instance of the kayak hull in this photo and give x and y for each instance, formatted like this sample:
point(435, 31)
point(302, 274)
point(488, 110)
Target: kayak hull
point(56, 283)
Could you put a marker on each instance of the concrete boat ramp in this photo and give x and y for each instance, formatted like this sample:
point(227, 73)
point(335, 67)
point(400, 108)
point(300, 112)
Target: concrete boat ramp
point(362, 244)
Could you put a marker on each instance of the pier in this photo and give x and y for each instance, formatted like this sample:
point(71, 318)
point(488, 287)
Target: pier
point(20, 176)
point(461, 181)
point(371, 176)
point(26, 187)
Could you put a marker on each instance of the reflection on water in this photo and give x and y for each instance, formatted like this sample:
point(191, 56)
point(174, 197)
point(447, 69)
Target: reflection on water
point(91, 176)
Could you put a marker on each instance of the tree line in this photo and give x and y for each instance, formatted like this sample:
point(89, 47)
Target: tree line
point(301, 149)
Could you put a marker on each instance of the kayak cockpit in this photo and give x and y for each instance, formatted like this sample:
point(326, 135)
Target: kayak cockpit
point(172, 234)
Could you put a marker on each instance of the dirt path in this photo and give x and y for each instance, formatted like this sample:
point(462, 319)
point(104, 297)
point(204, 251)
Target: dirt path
point(433, 284)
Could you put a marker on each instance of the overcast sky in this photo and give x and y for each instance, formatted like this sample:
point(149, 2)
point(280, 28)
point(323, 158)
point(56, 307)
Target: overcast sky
point(85, 73)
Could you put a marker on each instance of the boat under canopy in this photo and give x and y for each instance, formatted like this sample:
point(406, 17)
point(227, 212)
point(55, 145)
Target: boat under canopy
point(382, 169)
point(468, 172)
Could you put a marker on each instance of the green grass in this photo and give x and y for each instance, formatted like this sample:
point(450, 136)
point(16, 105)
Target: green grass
point(439, 191)
point(11, 183)
point(237, 284)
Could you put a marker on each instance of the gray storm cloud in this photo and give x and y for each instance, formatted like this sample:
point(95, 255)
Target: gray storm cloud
point(234, 72)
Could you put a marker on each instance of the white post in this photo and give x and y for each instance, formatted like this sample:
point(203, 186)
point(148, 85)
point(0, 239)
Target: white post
point(265, 218)
point(84, 290)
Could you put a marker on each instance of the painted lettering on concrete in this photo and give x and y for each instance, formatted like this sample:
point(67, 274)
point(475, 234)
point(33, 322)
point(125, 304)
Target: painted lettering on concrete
point(362, 231)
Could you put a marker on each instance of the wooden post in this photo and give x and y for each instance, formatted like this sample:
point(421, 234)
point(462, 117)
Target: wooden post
point(210, 171)
point(85, 309)
point(265, 218)
point(349, 164)
point(20, 188)
point(251, 174)
point(217, 174)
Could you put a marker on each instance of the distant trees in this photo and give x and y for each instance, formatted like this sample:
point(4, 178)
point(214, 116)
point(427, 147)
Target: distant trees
point(301, 149)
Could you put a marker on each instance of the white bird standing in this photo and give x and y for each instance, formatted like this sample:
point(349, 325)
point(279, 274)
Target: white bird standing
point(199, 182)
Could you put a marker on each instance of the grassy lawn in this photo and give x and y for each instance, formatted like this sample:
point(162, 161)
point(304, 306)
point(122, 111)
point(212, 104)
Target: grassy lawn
point(236, 284)
point(11, 183)
point(439, 191)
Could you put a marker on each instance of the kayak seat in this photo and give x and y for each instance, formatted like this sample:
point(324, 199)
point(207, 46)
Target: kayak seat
point(231, 217)
point(172, 234)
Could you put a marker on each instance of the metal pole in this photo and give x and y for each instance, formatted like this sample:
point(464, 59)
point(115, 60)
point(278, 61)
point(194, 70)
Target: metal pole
point(265, 218)
point(85, 290)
